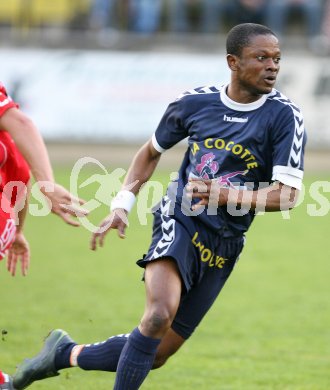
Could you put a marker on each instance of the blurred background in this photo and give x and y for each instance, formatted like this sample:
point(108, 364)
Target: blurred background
point(104, 71)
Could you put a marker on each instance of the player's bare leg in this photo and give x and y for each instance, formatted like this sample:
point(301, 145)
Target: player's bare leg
point(163, 292)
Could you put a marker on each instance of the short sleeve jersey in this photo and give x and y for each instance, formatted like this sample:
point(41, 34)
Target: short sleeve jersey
point(13, 167)
point(240, 145)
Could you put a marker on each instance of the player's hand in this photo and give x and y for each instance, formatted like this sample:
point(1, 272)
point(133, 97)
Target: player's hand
point(64, 204)
point(115, 220)
point(210, 192)
point(19, 251)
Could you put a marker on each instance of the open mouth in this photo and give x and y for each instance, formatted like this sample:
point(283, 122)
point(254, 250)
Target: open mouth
point(270, 80)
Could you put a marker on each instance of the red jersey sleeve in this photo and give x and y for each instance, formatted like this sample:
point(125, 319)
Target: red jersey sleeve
point(6, 101)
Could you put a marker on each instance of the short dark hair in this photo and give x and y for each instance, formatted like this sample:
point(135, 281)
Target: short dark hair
point(240, 36)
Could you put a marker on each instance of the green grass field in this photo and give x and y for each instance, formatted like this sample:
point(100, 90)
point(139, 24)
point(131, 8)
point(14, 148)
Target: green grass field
point(269, 329)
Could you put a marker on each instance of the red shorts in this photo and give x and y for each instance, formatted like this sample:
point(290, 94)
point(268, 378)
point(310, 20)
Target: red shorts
point(14, 173)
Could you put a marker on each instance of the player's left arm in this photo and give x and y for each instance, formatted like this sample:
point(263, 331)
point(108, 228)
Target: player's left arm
point(20, 249)
point(276, 197)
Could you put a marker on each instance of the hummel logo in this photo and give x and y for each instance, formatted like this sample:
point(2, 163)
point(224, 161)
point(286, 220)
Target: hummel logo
point(233, 119)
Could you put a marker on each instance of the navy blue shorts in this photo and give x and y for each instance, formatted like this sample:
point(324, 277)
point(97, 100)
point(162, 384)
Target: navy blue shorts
point(205, 260)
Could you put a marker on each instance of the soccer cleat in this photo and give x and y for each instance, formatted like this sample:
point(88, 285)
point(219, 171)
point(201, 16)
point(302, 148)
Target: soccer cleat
point(42, 365)
point(6, 382)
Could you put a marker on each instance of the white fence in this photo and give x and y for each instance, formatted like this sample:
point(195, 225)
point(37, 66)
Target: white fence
point(106, 96)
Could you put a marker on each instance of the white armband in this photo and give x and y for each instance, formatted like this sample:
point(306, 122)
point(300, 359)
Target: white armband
point(123, 200)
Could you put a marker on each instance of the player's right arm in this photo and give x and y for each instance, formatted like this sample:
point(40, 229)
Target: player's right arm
point(169, 132)
point(142, 167)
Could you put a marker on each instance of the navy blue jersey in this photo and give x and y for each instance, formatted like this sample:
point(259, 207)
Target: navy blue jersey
point(240, 145)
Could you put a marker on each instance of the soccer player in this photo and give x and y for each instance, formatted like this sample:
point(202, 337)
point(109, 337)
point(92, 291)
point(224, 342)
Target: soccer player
point(246, 144)
point(22, 149)
point(15, 186)
point(14, 194)
point(31, 146)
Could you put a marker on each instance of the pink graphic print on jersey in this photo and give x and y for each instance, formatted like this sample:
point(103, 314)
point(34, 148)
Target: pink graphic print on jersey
point(207, 167)
point(224, 179)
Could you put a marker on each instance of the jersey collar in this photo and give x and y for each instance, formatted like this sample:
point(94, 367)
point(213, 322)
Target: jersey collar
point(240, 106)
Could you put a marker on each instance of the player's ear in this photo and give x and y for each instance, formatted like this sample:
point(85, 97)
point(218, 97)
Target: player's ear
point(232, 62)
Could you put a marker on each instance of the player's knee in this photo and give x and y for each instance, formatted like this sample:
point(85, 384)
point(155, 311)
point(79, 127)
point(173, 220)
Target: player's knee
point(157, 321)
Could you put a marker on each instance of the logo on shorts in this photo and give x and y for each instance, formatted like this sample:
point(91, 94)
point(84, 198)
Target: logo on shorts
point(206, 255)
